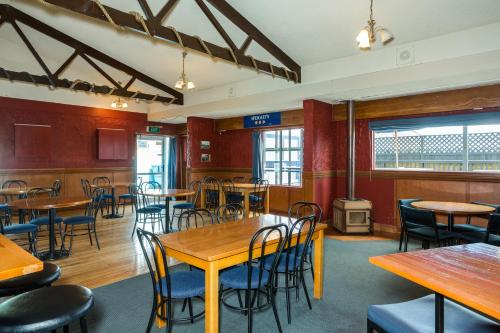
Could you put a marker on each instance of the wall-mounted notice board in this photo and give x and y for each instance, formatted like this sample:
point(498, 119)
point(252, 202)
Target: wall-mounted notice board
point(112, 144)
point(32, 141)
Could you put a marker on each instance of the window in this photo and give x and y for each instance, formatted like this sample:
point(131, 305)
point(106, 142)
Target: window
point(283, 156)
point(443, 148)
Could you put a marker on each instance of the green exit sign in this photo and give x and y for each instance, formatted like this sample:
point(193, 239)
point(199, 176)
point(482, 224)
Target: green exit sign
point(153, 129)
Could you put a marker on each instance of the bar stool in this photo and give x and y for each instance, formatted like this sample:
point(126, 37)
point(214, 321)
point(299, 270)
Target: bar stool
point(46, 309)
point(24, 283)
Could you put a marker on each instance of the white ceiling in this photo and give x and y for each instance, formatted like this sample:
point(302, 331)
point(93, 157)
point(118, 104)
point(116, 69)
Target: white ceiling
point(311, 32)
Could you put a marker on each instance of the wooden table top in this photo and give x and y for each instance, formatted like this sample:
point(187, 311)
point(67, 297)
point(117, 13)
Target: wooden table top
point(455, 208)
point(15, 260)
point(217, 241)
point(48, 203)
point(168, 192)
point(468, 274)
point(117, 184)
point(17, 191)
point(246, 186)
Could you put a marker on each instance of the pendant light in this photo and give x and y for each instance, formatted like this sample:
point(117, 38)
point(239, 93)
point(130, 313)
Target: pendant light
point(118, 104)
point(367, 37)
point(183, 82)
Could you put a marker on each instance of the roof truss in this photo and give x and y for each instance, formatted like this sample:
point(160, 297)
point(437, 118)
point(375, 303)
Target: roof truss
point(151, 24)
point(9, 14)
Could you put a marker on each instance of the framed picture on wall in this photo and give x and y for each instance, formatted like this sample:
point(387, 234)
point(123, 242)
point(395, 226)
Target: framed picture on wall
point(204, 144)
point(205, 157)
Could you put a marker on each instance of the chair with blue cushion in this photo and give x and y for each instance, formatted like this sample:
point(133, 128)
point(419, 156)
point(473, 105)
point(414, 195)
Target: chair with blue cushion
point(155, 201)
point(172, 286)
point(5, 211)
point(56, 188)
point(231, 193)
point(36, 218)
point(421, 224)
point(145, 211)
point(212, 187)
point(302, 209)
point(253, 279)
point(191, 200)
point(18, 229)
point(229, 213)
point(127, 199)
point(469, 227)
point(258, 197)
point(418, 316)
point(491, 234)
point(291, 262)
point(107, 198)
point(88, 220)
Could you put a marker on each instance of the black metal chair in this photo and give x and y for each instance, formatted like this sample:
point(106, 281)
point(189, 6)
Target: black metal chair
point(421, 224)
point(56, 188)
point(212, 188)
point(258, 197)
point(86, 188)
point(231, 193)
point(189, 219)
point(172, 286)
point(229, 213)
point(46, 309)
point(126, 199)
point(191, 200)
point(24, 283)
point(253, 278)
point(42, 220)
point(302, 209)
point(7, 212)
point(468, 227)
point(491, 234)
point(88, 220)
point(291, 262)
point(145, 211)
point(107, 196)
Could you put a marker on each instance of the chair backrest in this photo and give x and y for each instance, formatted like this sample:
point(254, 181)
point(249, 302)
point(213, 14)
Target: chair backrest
point(303, 229)
point(304, 208)
point(210, 218)
point(229, 212)
point(275, 235)
point(212, 188)
point(404, 202)
point(254, 180)
point(190, 218)
point(15, 183)
point(239, 179)
point(418, 218)
point(86, 187)
point(33, 193)
point(95, 204)
point(140, 200)
point(56, 188)
point(195, 186)
point(260, 188)
point(497, 207)
point(101, 181)
point(228, 187)
point(493, 226)
point(156, 260)
point(151, 185)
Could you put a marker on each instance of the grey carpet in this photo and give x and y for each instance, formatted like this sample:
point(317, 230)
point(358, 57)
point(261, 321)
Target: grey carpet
point(351, 285)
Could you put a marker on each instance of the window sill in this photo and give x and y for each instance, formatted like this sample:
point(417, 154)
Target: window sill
point(480, 176)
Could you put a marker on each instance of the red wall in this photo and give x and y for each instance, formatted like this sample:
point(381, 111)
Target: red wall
point(235, 149)
point(74, 128)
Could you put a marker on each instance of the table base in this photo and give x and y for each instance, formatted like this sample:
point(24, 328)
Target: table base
point(56, 254)
point(112, 216)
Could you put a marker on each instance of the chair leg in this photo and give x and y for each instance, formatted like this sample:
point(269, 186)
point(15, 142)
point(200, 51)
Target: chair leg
point(369, 326)
point(71, 239)
point(275, 311)
point(90, 233)
point(152, 316)
point(287, 296)
point(406, 243)
point(305, 290)
point(401, 237)
point(190, 306)
point(170, 316)
point(249, 309)
point(65, 329)
point(135, 225)
point(95, 235)
point(83, 325)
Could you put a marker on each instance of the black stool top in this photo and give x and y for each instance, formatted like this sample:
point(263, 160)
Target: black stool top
point(45, 309)
point(21, 284)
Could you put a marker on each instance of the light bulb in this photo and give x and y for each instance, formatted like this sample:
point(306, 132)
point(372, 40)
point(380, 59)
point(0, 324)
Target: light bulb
point(190, 85)
point(180, 83)
point(124, 105)
point(363, 39)
point(385, 36)
point(113, 105)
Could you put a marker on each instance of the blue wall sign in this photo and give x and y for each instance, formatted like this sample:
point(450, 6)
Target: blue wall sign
point(262, 120)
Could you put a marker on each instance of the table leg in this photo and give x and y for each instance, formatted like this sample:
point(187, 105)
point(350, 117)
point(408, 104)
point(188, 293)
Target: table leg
point(246, 203)
point(439, 313)
point(212, 298)
point(160, 322)
point(318, 264)
point(114, 214)
point(266, 207)
point(450, 222)
point(203, 197)
point(53, 254)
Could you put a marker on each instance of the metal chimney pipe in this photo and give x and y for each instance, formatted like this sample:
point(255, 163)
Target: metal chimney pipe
point(351, 156)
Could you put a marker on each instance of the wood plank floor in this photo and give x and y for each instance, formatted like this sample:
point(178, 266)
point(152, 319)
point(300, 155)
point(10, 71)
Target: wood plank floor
point(120, 256)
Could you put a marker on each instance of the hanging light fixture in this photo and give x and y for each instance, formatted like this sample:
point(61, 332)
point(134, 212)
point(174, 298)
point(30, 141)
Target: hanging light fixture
point(183, 83)
point(367, 37)
point(118, 104)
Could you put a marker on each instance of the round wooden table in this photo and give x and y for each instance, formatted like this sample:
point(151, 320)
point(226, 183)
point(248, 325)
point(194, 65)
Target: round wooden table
point(453, 208)
point(50, 204)
point(114, 211)
point(18, 191)
point(167, 194)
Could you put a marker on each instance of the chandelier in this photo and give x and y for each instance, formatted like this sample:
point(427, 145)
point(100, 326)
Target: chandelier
point(367, 37)
point(118, 104)
point(183, 82)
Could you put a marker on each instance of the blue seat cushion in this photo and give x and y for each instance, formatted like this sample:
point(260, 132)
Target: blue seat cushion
point(468, 228)
point(4, 206)
point(237, 277)
point(417, 316)
point(126, 196)
point(429, 233)
point(15, 229)
point(44, 220)
point(480, 237)
point(308, 251)
point(81, 219)
point(160, 206)
point(184, 205)
point(149, 210)
point(185, 284)
point(255, 198)
point(292, 263)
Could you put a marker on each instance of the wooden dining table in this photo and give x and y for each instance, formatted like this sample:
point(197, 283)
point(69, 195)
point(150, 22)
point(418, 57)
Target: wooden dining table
point(451, 209)
point(17, 191)
point(168, 193)
point(246, 189)
point(15, 261)
point(467, 274)
point(50, 204)
point(114, 211)
point(218, 246)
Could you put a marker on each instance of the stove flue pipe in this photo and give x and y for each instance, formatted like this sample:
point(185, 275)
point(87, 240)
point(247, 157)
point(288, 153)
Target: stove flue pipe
point(351, 150)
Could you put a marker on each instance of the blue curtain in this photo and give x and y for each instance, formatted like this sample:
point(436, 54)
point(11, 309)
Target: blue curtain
point(172, 163)
point(257, 151)
point(405, 124)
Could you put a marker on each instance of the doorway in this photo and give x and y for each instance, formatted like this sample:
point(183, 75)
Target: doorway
point(152, 159)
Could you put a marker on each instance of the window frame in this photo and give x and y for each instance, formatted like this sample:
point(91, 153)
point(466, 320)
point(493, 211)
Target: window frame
point(279, 150)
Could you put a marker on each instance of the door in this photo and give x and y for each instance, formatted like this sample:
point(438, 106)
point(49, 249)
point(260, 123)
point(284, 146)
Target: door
point(152, 159)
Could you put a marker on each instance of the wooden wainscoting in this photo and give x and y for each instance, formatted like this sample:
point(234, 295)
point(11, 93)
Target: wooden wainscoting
point(70, 177)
